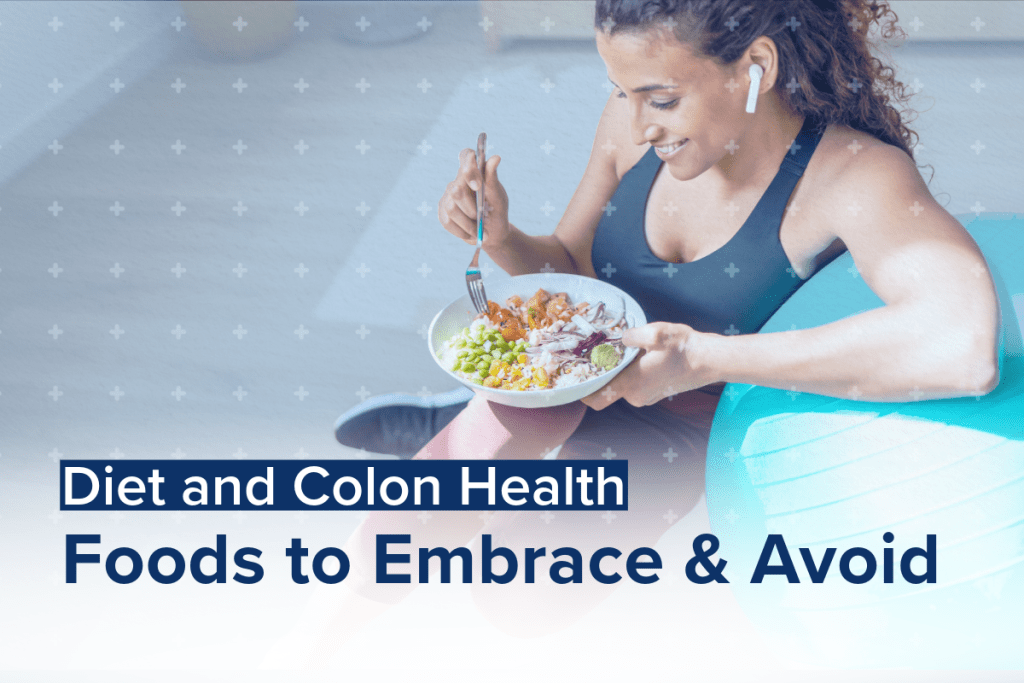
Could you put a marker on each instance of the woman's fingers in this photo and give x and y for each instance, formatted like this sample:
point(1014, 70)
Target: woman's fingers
point(468, 170)
point(455, 221)
point(465, 200)
point(460, 198)
point(491, 169)
point(457, 208)
point(633, 337)
point(613, 391)
point(647, 336)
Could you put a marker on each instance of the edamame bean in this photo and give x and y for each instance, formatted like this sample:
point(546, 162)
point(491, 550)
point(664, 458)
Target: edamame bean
point(509, 357)
point(468, 367)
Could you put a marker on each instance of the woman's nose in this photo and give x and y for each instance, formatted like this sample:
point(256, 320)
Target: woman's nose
point(644, 131)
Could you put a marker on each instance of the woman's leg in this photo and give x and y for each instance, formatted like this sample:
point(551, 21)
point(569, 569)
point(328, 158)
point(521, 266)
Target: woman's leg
point(482, 431)
point(666, 446)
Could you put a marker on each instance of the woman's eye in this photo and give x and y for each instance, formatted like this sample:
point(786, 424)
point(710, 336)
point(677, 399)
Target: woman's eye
point(663, 105)
point(621, 95)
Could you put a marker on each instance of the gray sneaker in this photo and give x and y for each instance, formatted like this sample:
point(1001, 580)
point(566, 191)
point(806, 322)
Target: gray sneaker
point(399, 424)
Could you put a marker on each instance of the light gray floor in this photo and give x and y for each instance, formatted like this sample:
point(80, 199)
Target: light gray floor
point(270, 301)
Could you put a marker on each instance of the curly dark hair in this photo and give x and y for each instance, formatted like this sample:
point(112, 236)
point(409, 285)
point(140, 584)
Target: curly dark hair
point(826, 68)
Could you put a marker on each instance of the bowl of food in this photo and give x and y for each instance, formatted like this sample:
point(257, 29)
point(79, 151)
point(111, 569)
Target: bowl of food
point(547, 339)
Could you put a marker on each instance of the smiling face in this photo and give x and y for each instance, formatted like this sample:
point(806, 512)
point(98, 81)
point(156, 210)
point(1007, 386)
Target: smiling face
point(682, 104)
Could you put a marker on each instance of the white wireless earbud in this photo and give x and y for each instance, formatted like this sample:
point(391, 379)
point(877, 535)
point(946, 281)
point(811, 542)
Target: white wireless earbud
point(755, 84)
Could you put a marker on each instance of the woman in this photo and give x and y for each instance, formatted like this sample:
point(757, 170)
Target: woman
point(711, 216)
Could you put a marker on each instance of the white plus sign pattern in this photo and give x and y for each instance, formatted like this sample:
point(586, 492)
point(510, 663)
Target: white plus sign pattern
point(212, 256)
point(302, 172)
point(217, 229)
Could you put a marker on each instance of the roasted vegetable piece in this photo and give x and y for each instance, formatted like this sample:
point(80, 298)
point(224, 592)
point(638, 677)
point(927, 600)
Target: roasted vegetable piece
point(536, 308)
point(558, 309)
point(511, 329)
point(534, 317)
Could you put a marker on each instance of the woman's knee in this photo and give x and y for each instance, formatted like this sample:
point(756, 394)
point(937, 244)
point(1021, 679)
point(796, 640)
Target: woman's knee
point(492, 430)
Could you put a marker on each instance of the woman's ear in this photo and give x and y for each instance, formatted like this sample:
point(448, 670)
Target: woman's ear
point(765, 54)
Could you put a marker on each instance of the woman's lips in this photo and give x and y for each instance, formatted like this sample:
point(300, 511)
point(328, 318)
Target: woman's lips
point(666, 152)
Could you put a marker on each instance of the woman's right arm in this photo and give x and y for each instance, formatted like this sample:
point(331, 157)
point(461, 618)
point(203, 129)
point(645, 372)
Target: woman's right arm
point(565, 251)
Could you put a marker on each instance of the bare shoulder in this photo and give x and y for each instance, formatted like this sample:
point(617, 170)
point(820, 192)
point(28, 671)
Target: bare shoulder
point(613, 140)
point(850, 156)
point(576, 230)
point(904, 244)
point(876, 189)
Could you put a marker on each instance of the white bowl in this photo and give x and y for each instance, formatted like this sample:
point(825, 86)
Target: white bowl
point(460, 314)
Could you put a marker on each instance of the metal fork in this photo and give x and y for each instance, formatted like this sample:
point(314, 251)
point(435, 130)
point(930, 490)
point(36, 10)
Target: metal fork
point(473, 281)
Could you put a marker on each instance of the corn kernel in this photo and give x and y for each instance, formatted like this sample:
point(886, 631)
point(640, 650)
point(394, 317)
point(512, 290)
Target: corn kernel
point(540, 376)
point(523, 358)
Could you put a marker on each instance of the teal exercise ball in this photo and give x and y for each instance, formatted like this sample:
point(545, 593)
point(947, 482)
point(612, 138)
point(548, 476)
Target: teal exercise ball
point(823, 473)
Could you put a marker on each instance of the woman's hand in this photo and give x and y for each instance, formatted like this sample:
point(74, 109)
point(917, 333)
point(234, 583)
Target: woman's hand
point(457, 208)
point(668, 364)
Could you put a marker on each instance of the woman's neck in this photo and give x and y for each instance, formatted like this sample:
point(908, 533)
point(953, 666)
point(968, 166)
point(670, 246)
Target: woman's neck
point(761, 147)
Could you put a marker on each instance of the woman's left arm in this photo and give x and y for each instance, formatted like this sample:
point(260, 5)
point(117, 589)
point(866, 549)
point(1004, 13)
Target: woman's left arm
point(935, 337)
